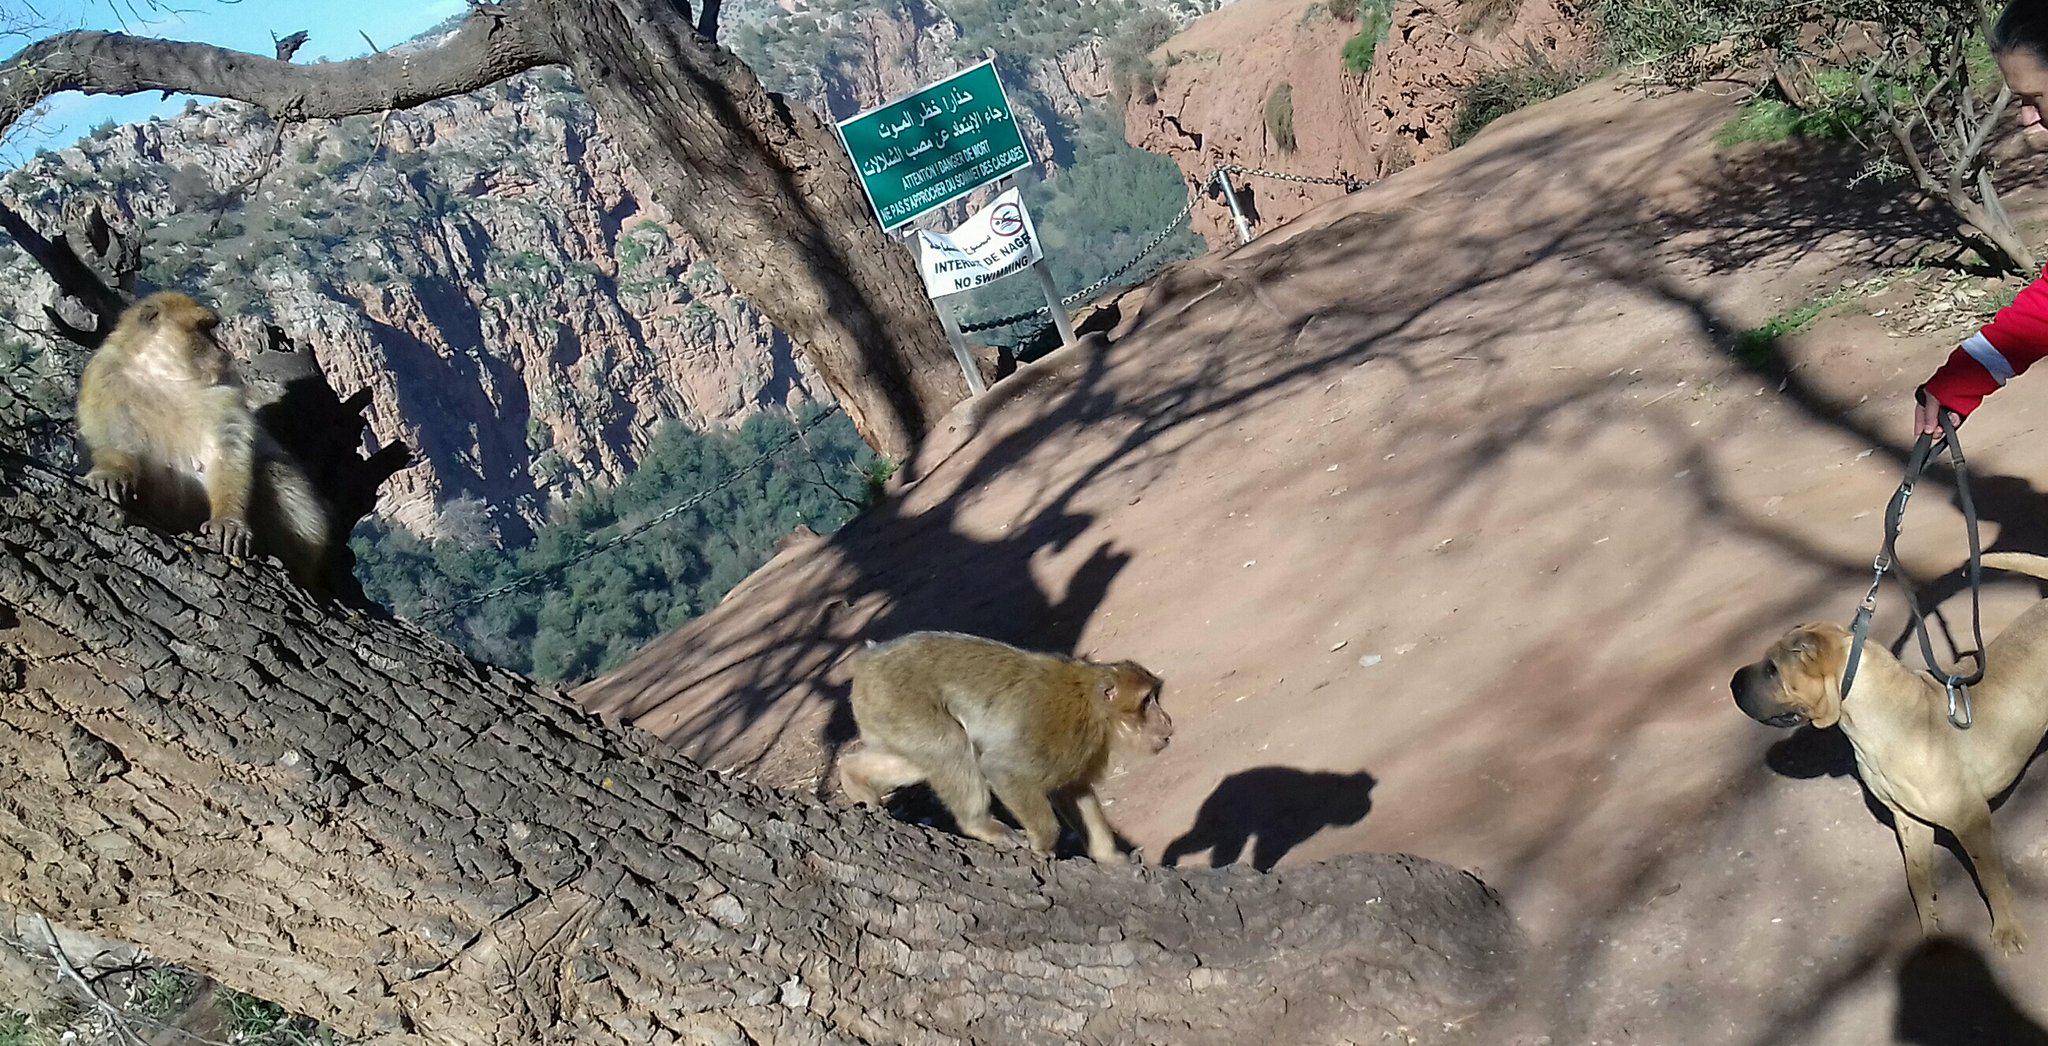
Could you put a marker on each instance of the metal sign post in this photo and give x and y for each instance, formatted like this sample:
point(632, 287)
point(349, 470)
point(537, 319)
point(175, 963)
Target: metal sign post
point(949, 318)
point(1042, 269)
point(1244, 228)
point(949, 321)
point(1060, 320)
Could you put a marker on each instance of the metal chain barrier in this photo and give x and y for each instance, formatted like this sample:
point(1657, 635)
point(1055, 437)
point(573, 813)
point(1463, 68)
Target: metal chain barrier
point(1349, 183)
point(1087, 293)
point(447, 613)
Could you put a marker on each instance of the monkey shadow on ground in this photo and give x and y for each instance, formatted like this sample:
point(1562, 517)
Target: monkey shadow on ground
point(1949, 996)
point(1272, 810)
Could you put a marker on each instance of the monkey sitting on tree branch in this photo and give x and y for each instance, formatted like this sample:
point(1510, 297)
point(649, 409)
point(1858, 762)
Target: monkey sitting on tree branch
point(172, 434)
point(299, 455)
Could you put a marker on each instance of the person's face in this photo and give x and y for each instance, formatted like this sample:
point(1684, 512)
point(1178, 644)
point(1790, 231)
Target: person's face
point(2027, 75)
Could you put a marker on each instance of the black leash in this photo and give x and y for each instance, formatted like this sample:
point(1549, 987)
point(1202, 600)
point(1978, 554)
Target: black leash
point(1957, 685)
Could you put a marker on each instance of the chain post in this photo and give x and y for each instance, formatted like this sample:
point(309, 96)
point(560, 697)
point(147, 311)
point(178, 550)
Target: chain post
point(1244, 228)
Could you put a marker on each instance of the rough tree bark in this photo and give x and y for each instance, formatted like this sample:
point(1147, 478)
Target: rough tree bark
point(764, 187)
point(344, 815)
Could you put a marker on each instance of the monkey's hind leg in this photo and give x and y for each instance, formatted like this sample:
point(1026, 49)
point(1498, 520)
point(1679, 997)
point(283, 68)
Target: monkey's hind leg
point(955, 777)
point(868, 774)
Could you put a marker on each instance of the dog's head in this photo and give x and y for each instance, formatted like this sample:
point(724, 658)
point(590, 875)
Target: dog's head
point(1798, 681)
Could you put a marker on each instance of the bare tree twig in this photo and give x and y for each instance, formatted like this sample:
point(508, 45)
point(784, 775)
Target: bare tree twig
point(117, 1022)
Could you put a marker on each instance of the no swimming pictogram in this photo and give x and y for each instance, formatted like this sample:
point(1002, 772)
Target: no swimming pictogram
point(1007, 219)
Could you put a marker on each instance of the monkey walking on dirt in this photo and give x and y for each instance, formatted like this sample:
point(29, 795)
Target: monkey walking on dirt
point(968, 715)
point(172, 438)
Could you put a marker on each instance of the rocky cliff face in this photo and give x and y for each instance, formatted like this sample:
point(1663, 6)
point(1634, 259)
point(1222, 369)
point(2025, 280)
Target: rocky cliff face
point(1219, 77)
point(488, 266)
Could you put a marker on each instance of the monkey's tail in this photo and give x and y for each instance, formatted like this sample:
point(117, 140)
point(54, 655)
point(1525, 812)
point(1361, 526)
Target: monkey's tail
point(2019, 563)
point(300, 521)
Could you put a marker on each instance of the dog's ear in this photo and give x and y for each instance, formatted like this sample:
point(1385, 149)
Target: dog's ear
point(1813, 644)
point(1802, 645)
point(1811, 660)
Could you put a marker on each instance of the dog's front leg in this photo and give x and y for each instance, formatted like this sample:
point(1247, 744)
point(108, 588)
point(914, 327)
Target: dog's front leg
point(1916, 842)
point(1981, 843)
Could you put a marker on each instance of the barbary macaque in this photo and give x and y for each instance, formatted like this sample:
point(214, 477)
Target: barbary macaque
point(968, 715)
point(173, 438)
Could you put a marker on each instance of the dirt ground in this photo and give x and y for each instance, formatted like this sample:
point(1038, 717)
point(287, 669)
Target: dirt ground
point(1447, 512)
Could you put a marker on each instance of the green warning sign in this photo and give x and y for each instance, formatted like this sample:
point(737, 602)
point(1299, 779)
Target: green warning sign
point(928, 148)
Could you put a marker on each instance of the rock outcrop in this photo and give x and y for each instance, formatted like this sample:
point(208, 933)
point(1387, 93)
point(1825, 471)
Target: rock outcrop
point(1218, 77)
point(487, 266)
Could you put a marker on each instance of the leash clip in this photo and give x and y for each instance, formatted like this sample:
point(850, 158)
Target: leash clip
point(1878, 567)
point(1958, 700)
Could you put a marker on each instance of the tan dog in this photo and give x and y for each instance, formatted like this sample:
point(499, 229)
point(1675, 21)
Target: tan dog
point(1927, 772)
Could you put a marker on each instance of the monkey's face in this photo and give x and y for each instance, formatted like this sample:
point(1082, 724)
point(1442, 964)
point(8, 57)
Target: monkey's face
point(209, 362)
point(1141, 722)
point(179, 339)
point(1798, 681)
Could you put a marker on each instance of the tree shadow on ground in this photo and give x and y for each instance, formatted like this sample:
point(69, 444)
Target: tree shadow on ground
point(1949, 996)
point(1440, 292)
point(1271, 809)
point(1780, 201)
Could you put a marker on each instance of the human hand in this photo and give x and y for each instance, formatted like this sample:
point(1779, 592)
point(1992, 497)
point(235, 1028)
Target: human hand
point(1927, 412)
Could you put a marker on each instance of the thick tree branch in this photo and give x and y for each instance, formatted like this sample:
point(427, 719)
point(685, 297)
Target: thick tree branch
point(495, 42)
point(764, 187)
point(345, 815)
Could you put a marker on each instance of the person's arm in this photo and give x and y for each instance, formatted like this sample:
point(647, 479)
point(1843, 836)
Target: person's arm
point(2014, 340)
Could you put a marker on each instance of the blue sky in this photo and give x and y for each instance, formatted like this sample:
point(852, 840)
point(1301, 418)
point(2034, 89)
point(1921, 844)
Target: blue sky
point(245, 25)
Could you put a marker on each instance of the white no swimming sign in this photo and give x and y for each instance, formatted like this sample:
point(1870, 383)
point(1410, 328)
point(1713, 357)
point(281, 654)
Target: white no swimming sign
point(997, 241)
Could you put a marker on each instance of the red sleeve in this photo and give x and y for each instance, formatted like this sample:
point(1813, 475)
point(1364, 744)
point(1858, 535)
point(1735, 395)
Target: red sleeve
point(2014, 340)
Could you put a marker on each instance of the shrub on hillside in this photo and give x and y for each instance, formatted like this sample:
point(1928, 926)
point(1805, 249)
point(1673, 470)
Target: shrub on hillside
point(1280, 117)
point(1639, 31)
point(1485, 16)
point(1372, 28)
point(1771, 120)
point(1131, 69)
point(1508, 90)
